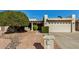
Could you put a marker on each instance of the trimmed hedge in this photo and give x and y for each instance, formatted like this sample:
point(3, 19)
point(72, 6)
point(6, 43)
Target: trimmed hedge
point(35, 27)
point(45, 29)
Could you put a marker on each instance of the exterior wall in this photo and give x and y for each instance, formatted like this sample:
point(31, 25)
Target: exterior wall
point(45, 19)
point(3, 28)
point(73, 26)
point(73, 23)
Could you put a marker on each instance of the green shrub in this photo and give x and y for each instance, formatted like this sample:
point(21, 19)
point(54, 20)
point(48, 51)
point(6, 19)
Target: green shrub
point(35, 27)
point(45, 29)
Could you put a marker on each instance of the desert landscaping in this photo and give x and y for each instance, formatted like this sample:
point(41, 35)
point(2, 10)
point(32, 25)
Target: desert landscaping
point(25, 40)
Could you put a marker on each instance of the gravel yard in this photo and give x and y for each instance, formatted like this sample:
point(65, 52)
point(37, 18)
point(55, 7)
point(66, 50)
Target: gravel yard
point(25, 40)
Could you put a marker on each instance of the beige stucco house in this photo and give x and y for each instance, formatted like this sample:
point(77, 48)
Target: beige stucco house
point(57, 24)
point(60, 24)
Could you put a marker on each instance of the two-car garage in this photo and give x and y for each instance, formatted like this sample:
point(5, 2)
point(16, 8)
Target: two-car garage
point(60, 26)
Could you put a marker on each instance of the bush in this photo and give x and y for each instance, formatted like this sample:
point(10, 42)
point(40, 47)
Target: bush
point(45, 29)
point(35, 27)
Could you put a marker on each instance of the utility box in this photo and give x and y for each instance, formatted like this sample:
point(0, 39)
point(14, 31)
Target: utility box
point(49, 41)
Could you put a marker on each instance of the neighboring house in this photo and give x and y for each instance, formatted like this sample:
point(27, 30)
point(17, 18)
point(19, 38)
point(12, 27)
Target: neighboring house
point(57, 24)
point(77, 25)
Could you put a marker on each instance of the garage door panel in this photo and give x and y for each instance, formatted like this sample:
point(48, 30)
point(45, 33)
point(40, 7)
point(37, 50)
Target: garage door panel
point(60, 28)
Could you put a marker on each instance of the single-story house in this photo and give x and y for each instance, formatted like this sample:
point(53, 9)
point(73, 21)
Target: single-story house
point(57, 24)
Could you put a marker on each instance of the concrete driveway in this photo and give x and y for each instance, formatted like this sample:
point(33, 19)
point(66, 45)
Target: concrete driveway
point(67, 40)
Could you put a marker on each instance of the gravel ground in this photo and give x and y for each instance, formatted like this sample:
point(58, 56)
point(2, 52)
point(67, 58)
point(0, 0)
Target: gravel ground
point(25, 40)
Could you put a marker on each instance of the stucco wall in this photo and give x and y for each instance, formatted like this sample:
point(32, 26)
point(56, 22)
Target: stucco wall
point(3, 28)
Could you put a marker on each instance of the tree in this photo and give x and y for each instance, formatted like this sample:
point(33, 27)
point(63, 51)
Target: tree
point(60, 17)
point(13, 18)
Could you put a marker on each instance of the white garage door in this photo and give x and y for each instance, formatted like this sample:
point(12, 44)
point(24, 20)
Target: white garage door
point(61, 27)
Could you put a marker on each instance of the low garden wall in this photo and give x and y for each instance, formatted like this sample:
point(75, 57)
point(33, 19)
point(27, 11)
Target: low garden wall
point(3, 29)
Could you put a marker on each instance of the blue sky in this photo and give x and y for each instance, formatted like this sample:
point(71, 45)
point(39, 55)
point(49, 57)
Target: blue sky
point(38, 14)
point(51, 13)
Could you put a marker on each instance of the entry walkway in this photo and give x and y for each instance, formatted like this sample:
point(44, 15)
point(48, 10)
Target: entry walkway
point(67, 40)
